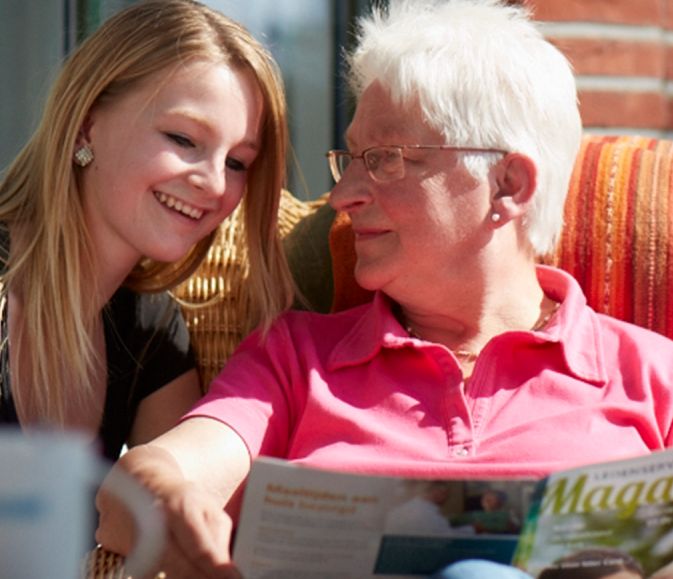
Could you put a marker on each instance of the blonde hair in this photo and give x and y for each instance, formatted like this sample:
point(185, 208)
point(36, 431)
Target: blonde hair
point(52, 260)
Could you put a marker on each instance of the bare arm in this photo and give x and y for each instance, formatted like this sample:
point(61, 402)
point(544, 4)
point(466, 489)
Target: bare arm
point(195, 470)
point(161, 410)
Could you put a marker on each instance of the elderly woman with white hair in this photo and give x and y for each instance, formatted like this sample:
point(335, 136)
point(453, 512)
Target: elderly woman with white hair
point(471, 361)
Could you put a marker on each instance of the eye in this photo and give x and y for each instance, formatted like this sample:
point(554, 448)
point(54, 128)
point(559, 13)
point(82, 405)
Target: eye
point(373, 157)
point(180, 140)
point(235, 164)
point(389, 156)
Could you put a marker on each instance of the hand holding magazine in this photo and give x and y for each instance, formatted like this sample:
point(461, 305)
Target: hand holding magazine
point(313, 523)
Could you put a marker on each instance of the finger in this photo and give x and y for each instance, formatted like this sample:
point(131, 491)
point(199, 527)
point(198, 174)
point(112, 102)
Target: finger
point(176, 564)
point(116, 525)
point(203, 535)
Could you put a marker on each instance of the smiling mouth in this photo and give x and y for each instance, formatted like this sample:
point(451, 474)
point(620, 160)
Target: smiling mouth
point(179, 206)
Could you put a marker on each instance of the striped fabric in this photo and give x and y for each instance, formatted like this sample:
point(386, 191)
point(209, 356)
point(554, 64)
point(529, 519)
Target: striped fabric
point(617, 240)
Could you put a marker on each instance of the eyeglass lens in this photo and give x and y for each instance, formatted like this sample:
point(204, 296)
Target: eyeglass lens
point(382, 163)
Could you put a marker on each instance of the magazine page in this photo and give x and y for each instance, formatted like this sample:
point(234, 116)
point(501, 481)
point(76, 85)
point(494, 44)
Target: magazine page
point(602, 520)
point(300, 522)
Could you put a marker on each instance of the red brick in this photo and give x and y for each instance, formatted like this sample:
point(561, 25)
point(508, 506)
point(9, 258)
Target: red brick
point(590, 56)
point(669, 110)
point(623, 109)
point(668, 15)
point(633, 12)
point(669, 62)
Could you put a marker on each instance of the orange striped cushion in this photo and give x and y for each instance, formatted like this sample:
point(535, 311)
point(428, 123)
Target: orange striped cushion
point(617, 239)
point(347, 292)
point(617, 236)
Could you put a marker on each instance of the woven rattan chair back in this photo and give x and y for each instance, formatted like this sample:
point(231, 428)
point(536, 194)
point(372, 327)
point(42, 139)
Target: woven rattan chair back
point(214, 301)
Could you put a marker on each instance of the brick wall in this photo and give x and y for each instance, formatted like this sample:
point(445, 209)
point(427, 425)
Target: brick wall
point(622, 53)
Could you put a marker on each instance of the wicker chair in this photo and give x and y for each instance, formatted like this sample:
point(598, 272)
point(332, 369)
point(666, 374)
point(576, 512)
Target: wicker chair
point(214, 304)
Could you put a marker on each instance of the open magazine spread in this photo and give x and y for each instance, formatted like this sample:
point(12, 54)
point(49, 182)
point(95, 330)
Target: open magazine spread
point(616, 516)
point(590, 522)
point(299, 522)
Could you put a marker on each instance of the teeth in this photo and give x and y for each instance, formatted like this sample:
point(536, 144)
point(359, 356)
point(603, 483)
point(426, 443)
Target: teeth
point(178, 205)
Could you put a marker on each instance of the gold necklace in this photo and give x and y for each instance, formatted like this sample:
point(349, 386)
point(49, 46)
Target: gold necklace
point(545, 320)
point(469, 356)
point(472, 356)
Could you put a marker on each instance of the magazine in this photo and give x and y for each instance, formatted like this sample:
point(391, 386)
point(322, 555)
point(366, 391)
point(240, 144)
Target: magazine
point(615, 516)
point(300, 522)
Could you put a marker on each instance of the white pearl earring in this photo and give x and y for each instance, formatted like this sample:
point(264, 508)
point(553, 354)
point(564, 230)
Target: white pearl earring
point(495, 217)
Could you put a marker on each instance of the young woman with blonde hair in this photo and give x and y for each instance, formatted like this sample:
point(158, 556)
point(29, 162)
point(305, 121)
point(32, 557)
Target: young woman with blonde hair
point(155, 129)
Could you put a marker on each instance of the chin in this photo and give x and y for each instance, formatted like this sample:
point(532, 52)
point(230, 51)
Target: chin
point(168, 256)
point(369, 278)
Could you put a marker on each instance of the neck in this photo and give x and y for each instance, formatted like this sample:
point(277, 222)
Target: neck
point(465, 319)
point(108, 283)
point(111, 268)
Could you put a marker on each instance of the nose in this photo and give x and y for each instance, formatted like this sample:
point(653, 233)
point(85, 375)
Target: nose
point(353, 189)
point(209, 176)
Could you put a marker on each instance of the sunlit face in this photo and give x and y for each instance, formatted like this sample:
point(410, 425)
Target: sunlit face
point(418, 231)
point(171, 159)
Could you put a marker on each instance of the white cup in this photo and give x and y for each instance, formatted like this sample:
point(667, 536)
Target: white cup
point(47, 486)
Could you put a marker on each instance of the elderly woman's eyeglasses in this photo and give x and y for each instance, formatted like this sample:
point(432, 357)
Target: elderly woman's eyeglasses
point(386, 164)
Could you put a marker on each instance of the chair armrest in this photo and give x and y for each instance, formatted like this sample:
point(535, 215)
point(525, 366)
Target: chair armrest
point(103, 564)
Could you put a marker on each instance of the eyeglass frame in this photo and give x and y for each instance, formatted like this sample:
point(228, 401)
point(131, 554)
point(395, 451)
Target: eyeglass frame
point(337, 174)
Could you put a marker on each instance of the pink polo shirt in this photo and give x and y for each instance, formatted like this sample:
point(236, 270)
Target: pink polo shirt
point(353, 391)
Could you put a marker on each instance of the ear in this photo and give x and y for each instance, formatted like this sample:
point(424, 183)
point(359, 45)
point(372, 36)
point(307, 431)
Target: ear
point(515, 184)
point(84, 134)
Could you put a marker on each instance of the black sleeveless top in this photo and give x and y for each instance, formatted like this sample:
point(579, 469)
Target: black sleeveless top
point(147, 345)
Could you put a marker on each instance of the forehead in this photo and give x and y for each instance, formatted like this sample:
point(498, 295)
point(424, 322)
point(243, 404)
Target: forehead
point(201, 82)
point(217, 96)
point(379, 120)
point(214, 80)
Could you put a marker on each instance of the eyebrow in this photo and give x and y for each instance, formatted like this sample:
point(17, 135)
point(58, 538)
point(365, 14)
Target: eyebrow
point(186, 113)
point(384, 135)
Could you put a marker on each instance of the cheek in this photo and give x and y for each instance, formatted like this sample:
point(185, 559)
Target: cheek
point(123, 172)
point(460, 181)
point(231, 200)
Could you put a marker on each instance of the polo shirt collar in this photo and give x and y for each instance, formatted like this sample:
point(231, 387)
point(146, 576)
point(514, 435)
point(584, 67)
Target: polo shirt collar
point(374, 329)
point(574, 327)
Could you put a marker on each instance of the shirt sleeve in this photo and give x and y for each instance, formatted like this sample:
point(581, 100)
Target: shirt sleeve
point(258, 393)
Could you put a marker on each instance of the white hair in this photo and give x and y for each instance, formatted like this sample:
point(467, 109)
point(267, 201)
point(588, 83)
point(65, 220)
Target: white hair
point(484, 77)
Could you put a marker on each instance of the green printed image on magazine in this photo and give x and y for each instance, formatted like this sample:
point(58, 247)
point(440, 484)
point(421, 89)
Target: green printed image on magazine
point(616, 515)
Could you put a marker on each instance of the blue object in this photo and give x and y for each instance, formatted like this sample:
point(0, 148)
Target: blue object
point(479, 569)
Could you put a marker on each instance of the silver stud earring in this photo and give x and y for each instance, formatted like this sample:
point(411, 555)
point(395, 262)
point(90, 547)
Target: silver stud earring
point(495, 217)
point(83, 156)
